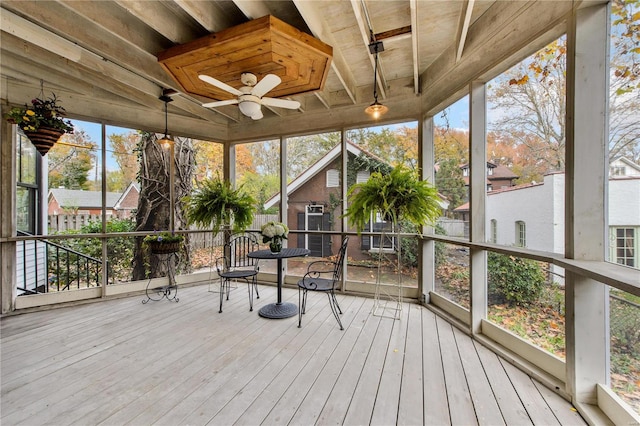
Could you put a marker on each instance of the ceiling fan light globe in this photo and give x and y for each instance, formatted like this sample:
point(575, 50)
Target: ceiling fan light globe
point(250, 109)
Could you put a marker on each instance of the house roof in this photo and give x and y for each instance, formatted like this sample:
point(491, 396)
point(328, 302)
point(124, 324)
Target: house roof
point(315, 169)
point(82, 199)
point(132, 186)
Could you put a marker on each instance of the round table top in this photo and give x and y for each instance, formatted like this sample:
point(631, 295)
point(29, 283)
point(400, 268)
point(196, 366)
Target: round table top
point(284, 253)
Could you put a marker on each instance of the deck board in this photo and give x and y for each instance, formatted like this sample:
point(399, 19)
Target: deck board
point(119, 362)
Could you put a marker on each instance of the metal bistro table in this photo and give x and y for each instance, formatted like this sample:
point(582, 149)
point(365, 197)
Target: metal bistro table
point(279, 309)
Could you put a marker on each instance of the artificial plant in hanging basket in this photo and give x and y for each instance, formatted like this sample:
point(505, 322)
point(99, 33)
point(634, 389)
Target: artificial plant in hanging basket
point(43, 122)
point(215, 203)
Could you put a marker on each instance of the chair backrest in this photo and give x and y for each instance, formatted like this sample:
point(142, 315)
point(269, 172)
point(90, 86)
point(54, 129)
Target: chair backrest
point(339, 266)
point(237, 249)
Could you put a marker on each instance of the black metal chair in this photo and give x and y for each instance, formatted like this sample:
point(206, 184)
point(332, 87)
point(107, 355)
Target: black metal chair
point(322, 276)
point(236, 265)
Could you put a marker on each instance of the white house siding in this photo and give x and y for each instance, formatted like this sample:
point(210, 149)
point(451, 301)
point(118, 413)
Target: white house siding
point(624, 202)
point(537, 206)
point(31, 272)
point(541, 207)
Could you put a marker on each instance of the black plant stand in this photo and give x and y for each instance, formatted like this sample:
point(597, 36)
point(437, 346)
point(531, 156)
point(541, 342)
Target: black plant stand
point(170, 291)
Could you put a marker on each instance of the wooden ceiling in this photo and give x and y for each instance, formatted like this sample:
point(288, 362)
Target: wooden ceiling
point(101, 57)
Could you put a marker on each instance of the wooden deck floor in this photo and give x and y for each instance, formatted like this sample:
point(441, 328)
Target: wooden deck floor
point(121, 362)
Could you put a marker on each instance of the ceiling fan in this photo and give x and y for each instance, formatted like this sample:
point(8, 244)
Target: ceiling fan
point(250, 96)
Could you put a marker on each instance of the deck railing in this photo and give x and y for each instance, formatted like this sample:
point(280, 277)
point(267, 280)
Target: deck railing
point(46, 266)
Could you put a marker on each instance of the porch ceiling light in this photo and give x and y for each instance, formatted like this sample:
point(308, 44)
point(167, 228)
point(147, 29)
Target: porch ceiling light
point(165, 141)
point(376, 109)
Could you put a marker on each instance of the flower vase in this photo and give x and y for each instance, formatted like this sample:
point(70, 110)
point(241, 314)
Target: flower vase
point(275, 246)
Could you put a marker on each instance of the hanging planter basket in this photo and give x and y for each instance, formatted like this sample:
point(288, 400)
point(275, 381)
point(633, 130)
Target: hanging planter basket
point(44, 138)
point(158, 247)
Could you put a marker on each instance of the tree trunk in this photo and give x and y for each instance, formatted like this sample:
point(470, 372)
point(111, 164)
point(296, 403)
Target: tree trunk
point(154, 202)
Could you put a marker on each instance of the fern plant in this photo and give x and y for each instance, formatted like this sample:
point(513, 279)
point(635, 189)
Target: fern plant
point(398, 195)
point(216, 203)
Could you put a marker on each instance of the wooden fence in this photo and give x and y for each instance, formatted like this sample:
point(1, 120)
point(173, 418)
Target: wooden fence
point(64, 222)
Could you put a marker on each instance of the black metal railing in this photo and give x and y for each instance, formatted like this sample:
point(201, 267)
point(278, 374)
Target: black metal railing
point(48, 267)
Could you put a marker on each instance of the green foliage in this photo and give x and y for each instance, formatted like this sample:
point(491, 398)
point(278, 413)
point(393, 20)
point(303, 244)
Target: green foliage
point(364, 162)
point(514, 280)
point(119, 250)
point(450, 183)
point(42, 112)
point(440, 248)
point(215, 203)
point(397, 195)
point(163, 237)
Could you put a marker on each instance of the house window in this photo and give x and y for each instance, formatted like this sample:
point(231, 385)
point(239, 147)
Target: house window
point(465, 171)
point(617, 171)
point(362, 176)
point(489, 171)
point(27, 185)
point(333, 178)
point(521, 234)
point(494, 231)
point(623, 246)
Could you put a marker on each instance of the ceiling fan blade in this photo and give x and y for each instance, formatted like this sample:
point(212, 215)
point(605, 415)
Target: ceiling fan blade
point(267, 83)
point(280, 103)
point(220, 103)
point(220, 85)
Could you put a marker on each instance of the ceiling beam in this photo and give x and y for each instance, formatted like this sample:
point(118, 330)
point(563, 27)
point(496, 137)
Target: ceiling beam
point(163, 20)
point(27, 31)
point(463, 26)
point(205, 13)
point(340, 66)
point(413, 4)
point(252, 9)
point(360, 12)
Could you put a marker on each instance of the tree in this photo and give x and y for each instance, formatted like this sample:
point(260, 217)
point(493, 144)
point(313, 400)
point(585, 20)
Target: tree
point(624, 99)
point(153, 213)
point(450, 183)
point(70, 161)
point(124, 151)
point(530, 98)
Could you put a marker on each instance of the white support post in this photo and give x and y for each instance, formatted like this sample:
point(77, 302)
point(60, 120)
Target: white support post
point(587, 301)
point(426, 155)
point(478, 200)
point(8, 291)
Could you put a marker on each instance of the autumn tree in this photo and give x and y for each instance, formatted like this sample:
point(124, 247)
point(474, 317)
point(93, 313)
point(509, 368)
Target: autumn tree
point(154, 210)
point(124, 151)
point(70, 161)
point(209, 159)
point(624, 99)
point(531, 100)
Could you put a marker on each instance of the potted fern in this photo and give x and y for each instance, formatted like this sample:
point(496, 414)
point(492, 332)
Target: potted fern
point(399, 195)
point(215, 203)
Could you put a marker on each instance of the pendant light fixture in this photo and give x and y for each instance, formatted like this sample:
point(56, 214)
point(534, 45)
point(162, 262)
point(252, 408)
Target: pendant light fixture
point(166, 141)
point(376, 109)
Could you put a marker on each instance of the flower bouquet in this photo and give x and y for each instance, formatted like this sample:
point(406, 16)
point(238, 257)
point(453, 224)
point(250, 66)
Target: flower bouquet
point(163, 242)
point(273, 233)
point(42, 122)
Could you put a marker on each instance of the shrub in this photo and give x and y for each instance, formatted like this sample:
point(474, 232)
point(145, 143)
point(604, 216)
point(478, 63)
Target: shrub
point(514, 280)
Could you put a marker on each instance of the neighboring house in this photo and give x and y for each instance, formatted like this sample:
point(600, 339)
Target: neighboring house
point(621, 166)
point(128, 202)
point(73, 201)
point(314, 200)
point(532, 216)
point(498, 177)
